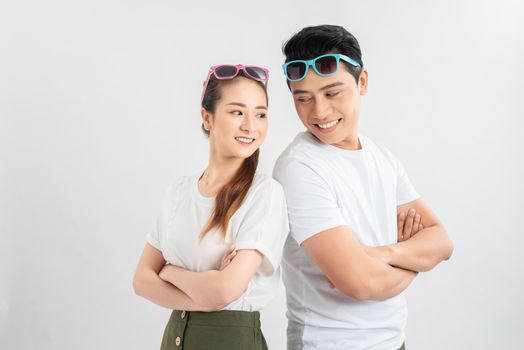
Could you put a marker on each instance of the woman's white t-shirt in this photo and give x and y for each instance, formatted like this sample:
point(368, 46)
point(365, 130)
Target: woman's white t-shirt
point(260, 223)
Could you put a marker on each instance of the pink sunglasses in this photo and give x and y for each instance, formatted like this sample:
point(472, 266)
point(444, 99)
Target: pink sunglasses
point(229, 71)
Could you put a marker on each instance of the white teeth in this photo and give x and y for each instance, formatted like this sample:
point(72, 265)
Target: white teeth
point(244, 139)
point(328, 125)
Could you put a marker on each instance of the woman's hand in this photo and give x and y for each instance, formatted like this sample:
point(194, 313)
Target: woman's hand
point(228, 257)
point(166, 271)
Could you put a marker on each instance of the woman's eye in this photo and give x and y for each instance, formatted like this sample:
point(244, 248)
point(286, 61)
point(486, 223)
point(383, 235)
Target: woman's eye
point(237, 112)
point(262, 115)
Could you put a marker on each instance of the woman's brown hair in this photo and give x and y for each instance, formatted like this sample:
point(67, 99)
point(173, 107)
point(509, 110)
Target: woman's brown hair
point(231, 195)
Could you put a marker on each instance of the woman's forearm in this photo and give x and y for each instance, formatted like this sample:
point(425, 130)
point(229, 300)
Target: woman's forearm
point(167, 295)
point(205, 288)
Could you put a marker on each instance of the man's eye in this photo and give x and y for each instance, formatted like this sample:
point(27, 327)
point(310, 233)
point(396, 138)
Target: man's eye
point(303, 99)
point(332, 94)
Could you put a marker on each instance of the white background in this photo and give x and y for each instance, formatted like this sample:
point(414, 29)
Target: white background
point(99, 107)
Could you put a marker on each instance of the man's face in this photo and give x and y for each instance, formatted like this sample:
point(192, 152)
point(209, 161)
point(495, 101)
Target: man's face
point(329, 107)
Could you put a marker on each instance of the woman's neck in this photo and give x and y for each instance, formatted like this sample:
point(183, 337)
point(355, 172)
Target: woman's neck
point(217, 174)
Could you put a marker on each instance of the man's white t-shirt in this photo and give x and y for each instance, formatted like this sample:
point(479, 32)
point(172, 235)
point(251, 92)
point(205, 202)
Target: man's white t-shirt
point(325, 187)
point(259, 223)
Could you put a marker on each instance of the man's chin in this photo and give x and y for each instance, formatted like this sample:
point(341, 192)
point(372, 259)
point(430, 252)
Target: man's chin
point(329, 138)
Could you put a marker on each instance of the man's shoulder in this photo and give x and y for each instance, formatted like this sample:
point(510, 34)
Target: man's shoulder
point(303, 148)
point(381, 154)
point(376, 148)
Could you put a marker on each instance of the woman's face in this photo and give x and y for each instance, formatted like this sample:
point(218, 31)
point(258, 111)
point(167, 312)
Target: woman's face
point(239, 124)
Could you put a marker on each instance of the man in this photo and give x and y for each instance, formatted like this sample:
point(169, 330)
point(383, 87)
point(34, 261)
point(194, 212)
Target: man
point(345, 264)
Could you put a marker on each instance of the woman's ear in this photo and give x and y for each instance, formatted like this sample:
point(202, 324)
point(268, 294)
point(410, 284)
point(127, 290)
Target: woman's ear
point(206, 119)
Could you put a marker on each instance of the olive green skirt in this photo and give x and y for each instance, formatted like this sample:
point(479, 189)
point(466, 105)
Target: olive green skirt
point(220, 330)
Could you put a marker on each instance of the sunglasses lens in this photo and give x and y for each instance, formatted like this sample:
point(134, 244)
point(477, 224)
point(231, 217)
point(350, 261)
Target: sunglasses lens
point(256, 73)
point(225, 71)
point(296, 70)
point(326, 65)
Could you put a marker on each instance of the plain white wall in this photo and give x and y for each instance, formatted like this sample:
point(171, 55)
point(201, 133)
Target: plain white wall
point(99, 112)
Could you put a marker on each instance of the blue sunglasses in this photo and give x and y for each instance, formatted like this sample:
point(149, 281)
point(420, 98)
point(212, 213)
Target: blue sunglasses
point(324, 65)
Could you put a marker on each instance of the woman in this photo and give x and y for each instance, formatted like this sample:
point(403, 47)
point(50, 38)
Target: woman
point(221, 232)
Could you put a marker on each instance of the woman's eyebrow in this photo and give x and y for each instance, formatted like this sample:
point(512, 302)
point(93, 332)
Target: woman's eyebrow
point(243, 105)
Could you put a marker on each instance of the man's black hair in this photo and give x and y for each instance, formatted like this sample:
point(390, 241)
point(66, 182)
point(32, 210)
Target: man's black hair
point(311, 42)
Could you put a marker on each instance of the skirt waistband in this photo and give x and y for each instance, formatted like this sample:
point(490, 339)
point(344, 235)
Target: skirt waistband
point(224, 318)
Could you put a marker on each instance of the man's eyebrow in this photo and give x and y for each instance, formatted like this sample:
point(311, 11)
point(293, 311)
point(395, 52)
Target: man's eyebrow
point(338, 83)
point(296, 92)
point(243, 105)
point(329, 86)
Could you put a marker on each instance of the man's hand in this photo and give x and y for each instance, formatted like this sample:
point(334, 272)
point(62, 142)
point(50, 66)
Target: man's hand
point(408, 224)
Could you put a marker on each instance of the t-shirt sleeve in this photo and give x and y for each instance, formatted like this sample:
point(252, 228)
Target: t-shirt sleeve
point(405, 190)
point(265, 226)
point(156, 234)
point(153, 236)
point(312, 205)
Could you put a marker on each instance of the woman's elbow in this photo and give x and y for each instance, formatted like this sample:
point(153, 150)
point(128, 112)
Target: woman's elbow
point(228, 293)
point(137, 287)
point(138, 284)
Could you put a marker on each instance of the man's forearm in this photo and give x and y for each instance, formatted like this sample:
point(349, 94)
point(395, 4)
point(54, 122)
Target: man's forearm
point(421, 252)
point(392, 284)
point(377, 280)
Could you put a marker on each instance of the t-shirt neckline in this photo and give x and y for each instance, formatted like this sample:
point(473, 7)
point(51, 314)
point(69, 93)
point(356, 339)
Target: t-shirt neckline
point(341, 151)
point(196, 192)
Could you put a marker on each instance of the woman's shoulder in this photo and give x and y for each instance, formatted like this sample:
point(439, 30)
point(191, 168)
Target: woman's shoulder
point(180, 185)
point(264, 181)
point(265, 186)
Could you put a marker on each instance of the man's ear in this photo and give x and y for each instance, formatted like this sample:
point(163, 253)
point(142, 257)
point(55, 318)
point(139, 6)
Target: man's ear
point(363, 82)
point(206, 119)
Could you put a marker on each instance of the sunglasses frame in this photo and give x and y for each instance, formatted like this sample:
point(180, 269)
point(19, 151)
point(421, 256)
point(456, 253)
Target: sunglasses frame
point(238, 67)
point(311, 63)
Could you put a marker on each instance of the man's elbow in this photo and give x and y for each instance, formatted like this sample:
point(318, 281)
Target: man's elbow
point(445, 253)
point(360, 292)
point(446, 245)
point(448, 251)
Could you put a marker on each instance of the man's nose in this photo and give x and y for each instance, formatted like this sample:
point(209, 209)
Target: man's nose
point(322, 108)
